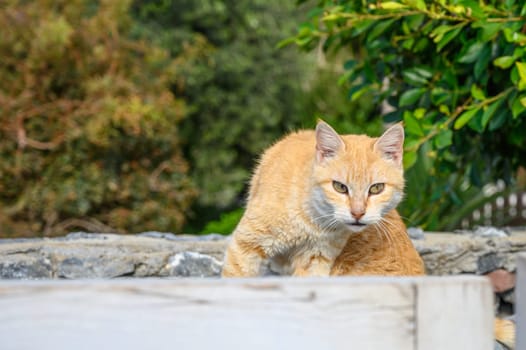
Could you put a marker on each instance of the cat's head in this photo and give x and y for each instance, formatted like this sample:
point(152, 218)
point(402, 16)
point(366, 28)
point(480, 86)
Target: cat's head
point(356, 179)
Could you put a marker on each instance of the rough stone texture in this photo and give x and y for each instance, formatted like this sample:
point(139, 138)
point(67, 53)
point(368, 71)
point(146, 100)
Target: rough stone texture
point(453, 253)
point(88, 255)
point(91, 255)
point(190, 264)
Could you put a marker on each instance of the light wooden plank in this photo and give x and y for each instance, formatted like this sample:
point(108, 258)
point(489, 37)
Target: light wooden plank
point(220, 314)
point(520, 302)
point(455, 313)
point(270, 313)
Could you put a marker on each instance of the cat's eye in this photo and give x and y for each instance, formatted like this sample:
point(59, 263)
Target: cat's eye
point(339, 187)
point(376, 188)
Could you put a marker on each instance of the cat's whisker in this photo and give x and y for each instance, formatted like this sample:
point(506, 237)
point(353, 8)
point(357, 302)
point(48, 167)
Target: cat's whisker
point(333, 224)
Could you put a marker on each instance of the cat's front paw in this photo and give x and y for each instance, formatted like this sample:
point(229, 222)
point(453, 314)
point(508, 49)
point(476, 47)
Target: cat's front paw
point(315, 267)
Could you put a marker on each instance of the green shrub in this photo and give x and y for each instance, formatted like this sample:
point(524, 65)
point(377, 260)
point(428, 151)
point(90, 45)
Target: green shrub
point(242, 92)
point(89, 131)
point(455, 73)
point(226, 223)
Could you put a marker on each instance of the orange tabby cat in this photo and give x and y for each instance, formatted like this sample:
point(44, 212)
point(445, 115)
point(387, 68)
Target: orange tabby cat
point(322, 203)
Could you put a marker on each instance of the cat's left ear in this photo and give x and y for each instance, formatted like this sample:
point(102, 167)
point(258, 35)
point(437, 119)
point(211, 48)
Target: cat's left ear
point(391, 144)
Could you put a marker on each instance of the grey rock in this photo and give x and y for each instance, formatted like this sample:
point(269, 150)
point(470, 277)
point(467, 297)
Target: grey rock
point(25, 267)
point(415, 233)
point(83, 235)
point(74, 268)
point(91, 255)
point(183, 237)
point(489, 231)
point(488, 262)
point(449, 253)
point(191, 264)
point(88, 255)
point(15, 240)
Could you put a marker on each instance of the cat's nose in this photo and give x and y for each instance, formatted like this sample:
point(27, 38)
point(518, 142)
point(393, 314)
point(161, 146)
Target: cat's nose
point(357, 213)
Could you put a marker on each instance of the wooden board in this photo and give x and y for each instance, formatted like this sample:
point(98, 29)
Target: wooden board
point(454, 313)
point(520, 302)
point(269, 313)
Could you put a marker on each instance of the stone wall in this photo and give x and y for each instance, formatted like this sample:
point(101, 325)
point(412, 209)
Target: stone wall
point(154, 254)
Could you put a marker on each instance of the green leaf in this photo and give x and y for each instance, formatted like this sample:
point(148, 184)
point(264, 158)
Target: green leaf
point(465, 117)
point(409, 159)
point(419, 113)
point(419, 4)
point(481, 66)
point(489, 112)
point(423, 71)
point(476, 123)
point(414, 21)
point(475, 10)
point(517, 108)
point(477, 92)
point(412, 125)
point(498, 120)
point(358, 93)
point(411, 142)
point(421, 45)
point(472, 53)
point(415, 77)
point(447, 38)
point(410, 97)
point(518, 52)
point(391, 5)
point(514, 75)
point(440, 96)
point(504, 62)
point(345, 77)
point(443, 139)
point(286, 42)
point(438, 33)
point(444, 109)
point(379, 28)
point(360, 27)
point(488, 30)
point(408, 43)
point(521, 68)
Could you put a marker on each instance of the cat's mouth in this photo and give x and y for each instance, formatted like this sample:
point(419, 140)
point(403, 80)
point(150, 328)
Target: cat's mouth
point(355, 224)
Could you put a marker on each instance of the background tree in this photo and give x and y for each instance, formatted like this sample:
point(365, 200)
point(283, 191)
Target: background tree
point(88, 126)
point(455, 73)
point(243, 92)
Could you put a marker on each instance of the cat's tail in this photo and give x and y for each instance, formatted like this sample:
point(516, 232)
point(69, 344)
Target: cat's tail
point(505, 332)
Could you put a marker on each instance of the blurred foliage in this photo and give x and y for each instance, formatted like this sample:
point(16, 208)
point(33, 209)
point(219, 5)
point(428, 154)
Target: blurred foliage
point(225, 224)
point(88, 125)
point(242, 92)
point(327, 100)
point(93, 97)
point(455, 73)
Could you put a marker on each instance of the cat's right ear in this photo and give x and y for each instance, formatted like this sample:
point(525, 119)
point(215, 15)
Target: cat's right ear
point(391, 144)
point(328, 142)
